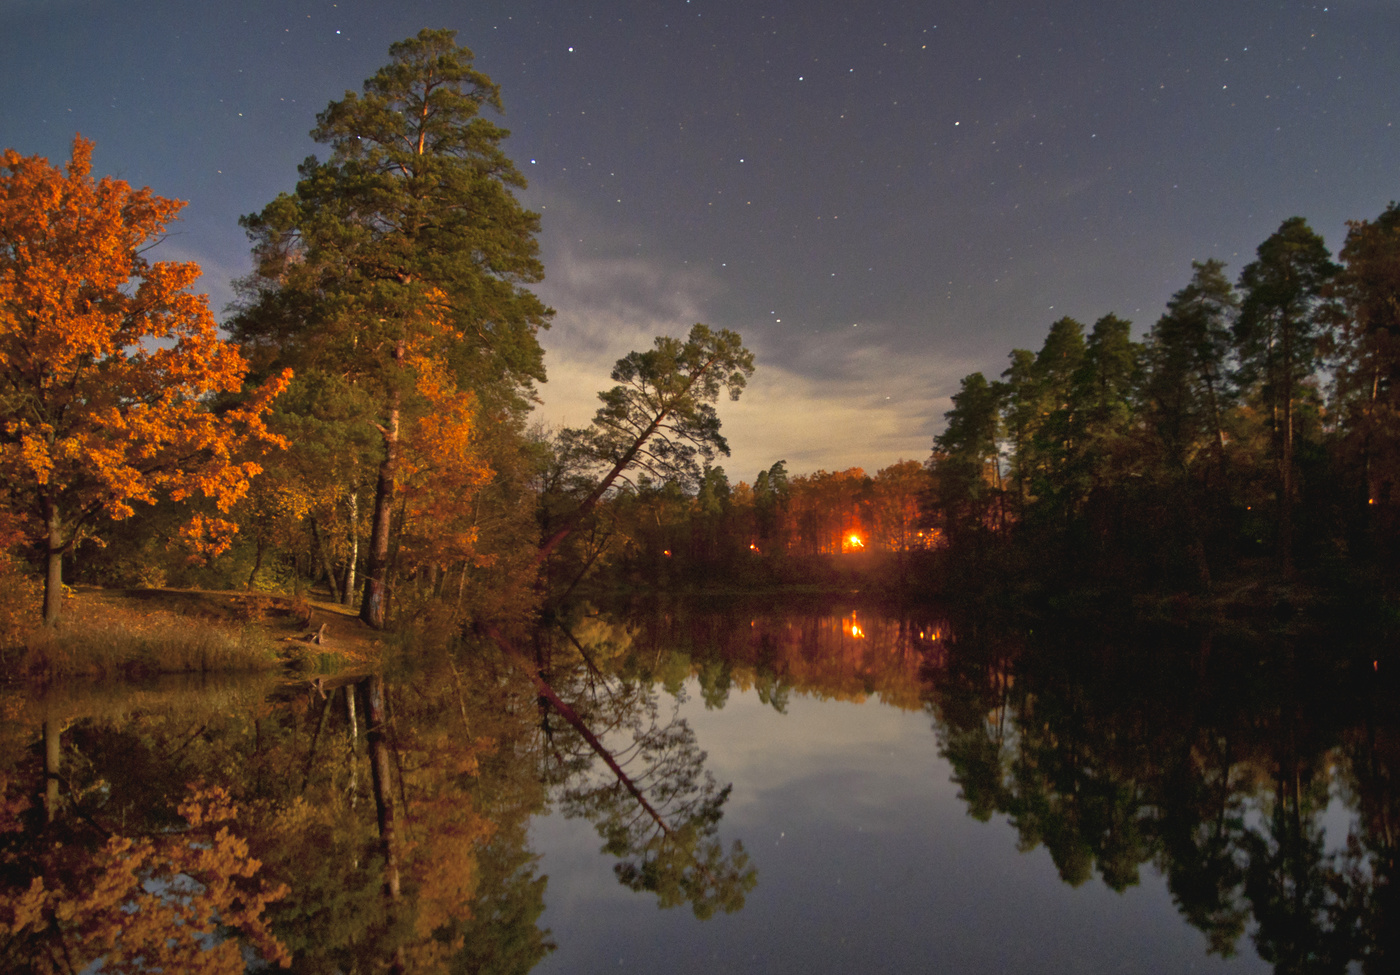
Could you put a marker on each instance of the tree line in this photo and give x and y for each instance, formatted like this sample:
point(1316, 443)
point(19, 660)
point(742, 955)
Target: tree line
point(366, 422)
point(1251, 432)
point(817, 528)
point(1254, 423)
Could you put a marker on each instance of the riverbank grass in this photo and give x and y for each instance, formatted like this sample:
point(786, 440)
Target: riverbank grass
point(133, 633)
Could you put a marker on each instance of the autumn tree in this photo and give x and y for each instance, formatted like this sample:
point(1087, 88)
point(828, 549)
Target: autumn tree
point(407, 245)
point(108, 362)
point(443, 471)
point(896, 494)
point(138, 904)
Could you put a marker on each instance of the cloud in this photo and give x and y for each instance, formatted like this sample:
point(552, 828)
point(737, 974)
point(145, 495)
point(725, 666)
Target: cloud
point(866, 407)
point(612, 305)
point(819, 400)
point(605, 308)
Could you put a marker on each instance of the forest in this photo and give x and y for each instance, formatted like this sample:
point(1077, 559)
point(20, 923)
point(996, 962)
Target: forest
point(361, 419)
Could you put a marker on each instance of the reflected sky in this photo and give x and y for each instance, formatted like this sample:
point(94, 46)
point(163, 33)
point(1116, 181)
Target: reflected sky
point(867, 861)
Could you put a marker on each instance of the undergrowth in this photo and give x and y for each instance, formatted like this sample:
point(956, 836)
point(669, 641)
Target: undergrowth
point(115, 641)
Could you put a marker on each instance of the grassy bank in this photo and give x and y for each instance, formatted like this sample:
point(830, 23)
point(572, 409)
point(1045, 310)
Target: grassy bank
point(105, 634)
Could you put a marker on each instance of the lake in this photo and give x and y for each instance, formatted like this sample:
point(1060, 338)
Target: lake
point(798, 787)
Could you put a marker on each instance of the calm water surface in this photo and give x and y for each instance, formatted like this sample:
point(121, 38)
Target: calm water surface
point(867, 861)
point(809, 789)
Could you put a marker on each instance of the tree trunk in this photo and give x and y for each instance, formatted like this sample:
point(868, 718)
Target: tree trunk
point(380, 771)
point(391, 571)
point(1285, 521)
point(257, 564)
point(53, 577)
point(326, 565)
point(347, 591)
point(352, 735)
point(53, 754)
point(574, 518)
point(372, 608)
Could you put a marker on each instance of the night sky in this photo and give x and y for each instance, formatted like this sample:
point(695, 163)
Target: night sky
point(881, 197)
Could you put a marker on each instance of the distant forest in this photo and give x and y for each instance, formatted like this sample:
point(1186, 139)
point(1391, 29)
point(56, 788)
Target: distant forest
point(1252, 431)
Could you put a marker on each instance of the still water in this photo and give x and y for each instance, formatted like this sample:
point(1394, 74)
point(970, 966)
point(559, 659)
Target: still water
point(867, 861)
point(815, 788)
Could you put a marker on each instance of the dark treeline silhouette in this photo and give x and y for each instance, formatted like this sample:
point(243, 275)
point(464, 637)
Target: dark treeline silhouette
point(1250, 433)
point(1253, 427)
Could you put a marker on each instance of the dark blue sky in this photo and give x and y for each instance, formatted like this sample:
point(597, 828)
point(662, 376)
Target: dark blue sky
point(881, 197)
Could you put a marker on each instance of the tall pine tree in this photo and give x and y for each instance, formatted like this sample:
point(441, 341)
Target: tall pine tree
point(1278, 338)
point(405, 251)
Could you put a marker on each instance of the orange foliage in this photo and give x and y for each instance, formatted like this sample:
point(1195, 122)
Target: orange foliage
point(146, 904)
point(107, 359)
point(441, 470)
point(893, 507)
point(444, 832)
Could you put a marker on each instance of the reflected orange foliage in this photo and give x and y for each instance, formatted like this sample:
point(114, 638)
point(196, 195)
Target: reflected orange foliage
point(144, 904)
point(444, 832)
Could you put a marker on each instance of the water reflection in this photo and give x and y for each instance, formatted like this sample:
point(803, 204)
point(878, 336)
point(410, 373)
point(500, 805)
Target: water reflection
point(1251, 779)
point(1216, 759)
point(633, 768)
point(312, 821)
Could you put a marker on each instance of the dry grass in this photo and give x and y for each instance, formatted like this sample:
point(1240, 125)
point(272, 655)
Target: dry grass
point(143, 632)
point(107, 634)
point(189, 697)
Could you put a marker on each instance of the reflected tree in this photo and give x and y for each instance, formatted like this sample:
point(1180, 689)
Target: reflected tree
point(656, 807)
point(1210, 758)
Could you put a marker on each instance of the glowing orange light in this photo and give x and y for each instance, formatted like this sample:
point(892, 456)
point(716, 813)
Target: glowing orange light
point(856, 542)
point(753, 547)
point(1370, 500)
point(667, 553)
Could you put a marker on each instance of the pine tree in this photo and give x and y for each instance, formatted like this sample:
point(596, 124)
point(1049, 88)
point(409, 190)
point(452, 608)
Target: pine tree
point(1279, 336)
point(407, 251)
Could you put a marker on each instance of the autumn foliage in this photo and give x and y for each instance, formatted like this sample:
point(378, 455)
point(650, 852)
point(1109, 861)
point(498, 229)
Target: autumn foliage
point(141, 904)
point(107, 361)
